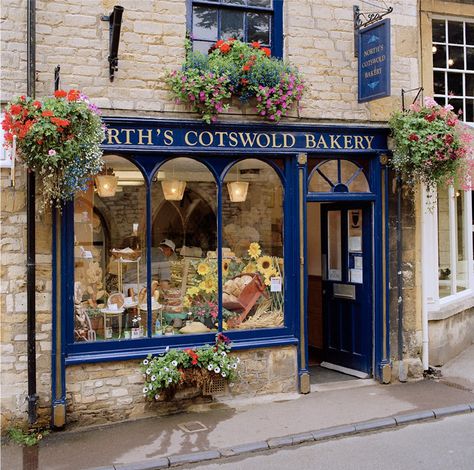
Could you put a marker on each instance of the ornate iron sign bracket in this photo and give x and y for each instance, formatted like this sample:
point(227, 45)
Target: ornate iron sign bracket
point(363, 19)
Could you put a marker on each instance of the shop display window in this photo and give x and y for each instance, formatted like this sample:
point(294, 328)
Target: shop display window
point(147, 258)
point(109, 255)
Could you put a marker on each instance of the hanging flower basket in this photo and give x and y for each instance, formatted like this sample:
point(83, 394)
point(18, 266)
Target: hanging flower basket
point(59, 138)
point(430, 147)
point(234, 68)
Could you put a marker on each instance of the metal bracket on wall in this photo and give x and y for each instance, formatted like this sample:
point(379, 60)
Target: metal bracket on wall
point(363, 19)
point(115, 24)
point(419, 91)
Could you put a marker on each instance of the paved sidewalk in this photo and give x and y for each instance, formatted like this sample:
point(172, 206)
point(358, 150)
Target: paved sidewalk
point(243, 426)
point(460, 370)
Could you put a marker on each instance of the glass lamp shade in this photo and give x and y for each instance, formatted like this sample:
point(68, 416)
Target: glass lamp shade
point(173, 190)
point(238, 191)
point(106, 185)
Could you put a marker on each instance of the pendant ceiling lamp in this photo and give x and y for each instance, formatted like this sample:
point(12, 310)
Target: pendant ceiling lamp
point(237, 191)
point(106, 184)
point(173, 190)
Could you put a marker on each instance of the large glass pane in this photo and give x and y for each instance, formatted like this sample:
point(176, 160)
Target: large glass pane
point(455, 84)
point(354, 248)
point(438, 83)
point(439, 57)
point(461, 261)
point(444, 258)
point(258, 27)
point(439, 31)
point(469, 111)
point(260, 3)
point(202, 46)
point(252, 247)
point(455, 32)
point(205, 23)
point(469, 84)
point(470, 58)
point(457, 104)
point(183, 253)
point(109, 254)
point(456, 57)
point(470, 34)
point(232, 24)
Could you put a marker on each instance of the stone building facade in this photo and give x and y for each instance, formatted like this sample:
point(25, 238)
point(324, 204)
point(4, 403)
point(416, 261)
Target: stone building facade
point(318, 38)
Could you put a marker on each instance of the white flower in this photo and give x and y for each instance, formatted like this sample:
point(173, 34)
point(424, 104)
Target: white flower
point(167, 349)
point(238, 360)
point(224, 374)
point(157, 396)
point(145, 389)
point(153, 378)
point(234, 365)
point(170, 380)
point(210, 367)
point(148, 371)
point(174, 363)
point(145, 362)
point(217, 370)
point(224, 353)
point(166, 369)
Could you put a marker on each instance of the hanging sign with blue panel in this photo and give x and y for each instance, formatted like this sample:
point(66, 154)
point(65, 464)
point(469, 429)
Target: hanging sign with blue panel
point(374, 61)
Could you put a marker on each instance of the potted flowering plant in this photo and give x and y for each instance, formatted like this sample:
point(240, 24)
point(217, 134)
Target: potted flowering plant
point(59, 138)
point(430, 148)
point(235, 68)
point(165, 373)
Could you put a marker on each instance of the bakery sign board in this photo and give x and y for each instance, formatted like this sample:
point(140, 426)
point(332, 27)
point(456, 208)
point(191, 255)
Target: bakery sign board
point(374, 61)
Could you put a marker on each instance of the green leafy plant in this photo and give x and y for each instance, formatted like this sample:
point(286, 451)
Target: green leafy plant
point(166, 372)
point(430, 148)
point(59, 138)
point(29, 437)
point(235, 68)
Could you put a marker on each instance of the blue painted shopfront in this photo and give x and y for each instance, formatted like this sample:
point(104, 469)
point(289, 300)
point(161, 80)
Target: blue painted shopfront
point(293, 151)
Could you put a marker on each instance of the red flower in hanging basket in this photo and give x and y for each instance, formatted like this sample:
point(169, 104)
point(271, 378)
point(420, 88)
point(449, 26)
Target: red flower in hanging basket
point(60, 94)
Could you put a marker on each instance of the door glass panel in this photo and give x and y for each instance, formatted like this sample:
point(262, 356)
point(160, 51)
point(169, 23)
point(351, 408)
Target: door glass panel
point(109, 247)
point(354, 248)
point(334, 268)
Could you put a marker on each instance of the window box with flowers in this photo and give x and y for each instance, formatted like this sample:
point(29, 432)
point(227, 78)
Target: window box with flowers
point(176, 369)
point(234, 68)
point(59, 138)
point(430, 147)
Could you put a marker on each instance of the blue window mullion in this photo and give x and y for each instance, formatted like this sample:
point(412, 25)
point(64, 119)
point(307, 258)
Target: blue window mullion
point(148, 258)
point(219, 252)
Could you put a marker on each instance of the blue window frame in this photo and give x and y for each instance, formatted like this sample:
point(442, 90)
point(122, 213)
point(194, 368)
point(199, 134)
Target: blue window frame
point(248, 20)
point(223, 170)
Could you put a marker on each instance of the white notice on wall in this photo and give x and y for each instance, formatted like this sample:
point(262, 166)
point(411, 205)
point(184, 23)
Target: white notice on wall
point(335, 275)
point(275, 284)
point(358, 262)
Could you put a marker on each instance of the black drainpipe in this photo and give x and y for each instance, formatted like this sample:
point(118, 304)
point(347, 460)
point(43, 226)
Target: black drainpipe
point(30, 226)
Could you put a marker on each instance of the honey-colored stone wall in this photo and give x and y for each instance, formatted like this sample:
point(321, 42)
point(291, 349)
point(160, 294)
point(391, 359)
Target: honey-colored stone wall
point(318, 39)
point(113, 391)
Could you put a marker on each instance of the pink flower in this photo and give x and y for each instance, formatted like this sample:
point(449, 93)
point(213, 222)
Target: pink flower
point(430, 102)
point(52, 152)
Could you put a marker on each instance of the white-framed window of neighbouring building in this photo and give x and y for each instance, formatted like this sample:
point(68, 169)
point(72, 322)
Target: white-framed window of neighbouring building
point(453, 64)
point(447, 245)
point(247, 20)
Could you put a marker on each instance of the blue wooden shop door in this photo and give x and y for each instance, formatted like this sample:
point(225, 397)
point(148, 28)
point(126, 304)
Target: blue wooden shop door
point(346, 243)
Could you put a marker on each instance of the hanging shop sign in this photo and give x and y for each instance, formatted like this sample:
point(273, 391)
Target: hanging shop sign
point(374, 61)
point(184, 135)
